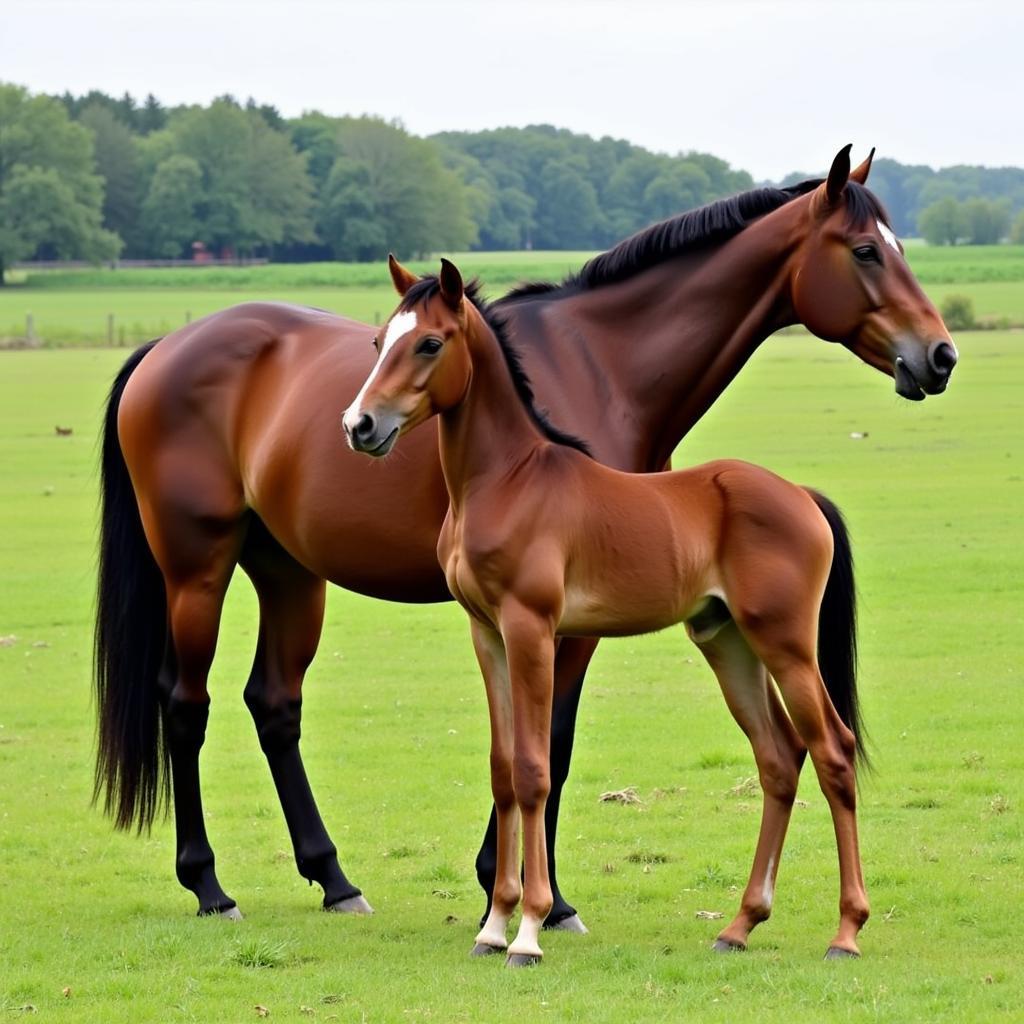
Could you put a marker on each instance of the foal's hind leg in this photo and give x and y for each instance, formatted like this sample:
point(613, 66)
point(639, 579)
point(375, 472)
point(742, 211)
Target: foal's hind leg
point(786, 646)
point(779, 754)
point(291, 615)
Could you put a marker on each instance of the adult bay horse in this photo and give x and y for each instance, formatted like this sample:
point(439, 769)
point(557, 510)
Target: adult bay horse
point(745, 559)
point(221, 447)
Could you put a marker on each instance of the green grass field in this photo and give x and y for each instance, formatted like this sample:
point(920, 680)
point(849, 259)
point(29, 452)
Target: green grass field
point(72, 308)
point(93, 925)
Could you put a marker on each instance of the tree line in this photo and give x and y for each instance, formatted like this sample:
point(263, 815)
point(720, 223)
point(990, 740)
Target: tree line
point(96, 177)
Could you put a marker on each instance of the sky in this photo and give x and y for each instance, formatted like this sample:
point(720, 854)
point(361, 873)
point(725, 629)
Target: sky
point(771, 86)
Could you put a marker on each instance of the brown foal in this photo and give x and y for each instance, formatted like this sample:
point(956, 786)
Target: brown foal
point(541, 542)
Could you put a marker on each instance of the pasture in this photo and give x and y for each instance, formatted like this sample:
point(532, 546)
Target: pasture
point(73, 307)
point(93, 925)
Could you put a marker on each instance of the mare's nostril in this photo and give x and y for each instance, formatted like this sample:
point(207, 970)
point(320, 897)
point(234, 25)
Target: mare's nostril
point(942, 358)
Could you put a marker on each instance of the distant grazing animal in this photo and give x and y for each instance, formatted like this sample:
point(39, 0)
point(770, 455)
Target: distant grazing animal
point(541, 542)
point(221, 448)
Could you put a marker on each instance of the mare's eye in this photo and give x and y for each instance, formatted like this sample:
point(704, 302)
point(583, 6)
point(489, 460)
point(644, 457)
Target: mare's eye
point(428, 347)
point(867, 254)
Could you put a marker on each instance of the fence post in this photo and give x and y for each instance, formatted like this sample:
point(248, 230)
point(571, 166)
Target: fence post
point(110, 329)
point(30, 327)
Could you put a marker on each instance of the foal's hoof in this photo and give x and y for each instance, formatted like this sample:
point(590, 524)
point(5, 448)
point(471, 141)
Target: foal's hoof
point(522, 960)
point(568, 924)
point(353, 905)
point(725, 946)
point(482, 949)
point(231, 914)
point(838, 953)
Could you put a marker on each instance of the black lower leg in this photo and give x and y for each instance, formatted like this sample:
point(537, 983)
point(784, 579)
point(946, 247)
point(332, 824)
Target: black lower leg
point(563, 731)
point(185, 726)
point(316, 856)
point(487, 861)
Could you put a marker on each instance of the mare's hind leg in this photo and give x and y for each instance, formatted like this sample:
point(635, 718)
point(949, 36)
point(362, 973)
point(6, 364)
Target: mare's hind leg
point(571, 661)
point(291, 616)
point(197, 558)
point(779, 754)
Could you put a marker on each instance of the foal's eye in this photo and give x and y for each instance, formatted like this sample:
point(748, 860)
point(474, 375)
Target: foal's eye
point(867, 254)
point(428, 347)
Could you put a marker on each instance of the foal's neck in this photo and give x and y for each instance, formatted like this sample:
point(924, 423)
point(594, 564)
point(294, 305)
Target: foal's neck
point(489, 432)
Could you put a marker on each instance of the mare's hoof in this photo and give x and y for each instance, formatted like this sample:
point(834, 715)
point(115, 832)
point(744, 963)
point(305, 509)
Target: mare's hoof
point(231, 914)
point(482, 949)
point(353, 905)
point(568, 924)
point(725, 946)
point(522, 960)
point(838, 953)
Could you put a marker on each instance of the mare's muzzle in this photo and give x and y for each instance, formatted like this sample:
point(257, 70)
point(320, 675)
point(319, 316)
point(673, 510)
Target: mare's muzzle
point(919, 373)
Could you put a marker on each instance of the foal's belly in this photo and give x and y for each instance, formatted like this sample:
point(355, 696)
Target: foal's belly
point(628, 611)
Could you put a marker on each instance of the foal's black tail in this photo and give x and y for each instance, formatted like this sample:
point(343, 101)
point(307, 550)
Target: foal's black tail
point(837, 627)
point(131, 632)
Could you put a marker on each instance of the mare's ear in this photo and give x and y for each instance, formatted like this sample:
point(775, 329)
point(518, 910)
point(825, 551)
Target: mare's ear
point(404, 279)
point(451, 284)
point(860, 174)
point(838, 175)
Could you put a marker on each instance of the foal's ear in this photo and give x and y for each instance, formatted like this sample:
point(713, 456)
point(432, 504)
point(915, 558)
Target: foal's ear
point(838, 175)
point(404, 279)
point(860, 174)
point(451, 284)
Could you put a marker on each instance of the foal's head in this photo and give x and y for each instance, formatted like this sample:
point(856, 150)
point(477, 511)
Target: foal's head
point(423, 365)
point(851, 284)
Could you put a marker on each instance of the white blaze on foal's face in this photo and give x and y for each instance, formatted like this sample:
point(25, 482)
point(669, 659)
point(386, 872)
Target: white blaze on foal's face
point(886, 232)
point(399, 326)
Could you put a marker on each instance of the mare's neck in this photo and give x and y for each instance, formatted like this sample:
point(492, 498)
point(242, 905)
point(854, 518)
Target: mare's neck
point(645, 358)
point(489, 433)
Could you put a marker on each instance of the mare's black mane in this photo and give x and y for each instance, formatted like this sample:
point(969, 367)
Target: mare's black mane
point(427, 287)
point(705, 226)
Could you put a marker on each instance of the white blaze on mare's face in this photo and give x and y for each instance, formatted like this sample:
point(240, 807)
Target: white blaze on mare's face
point(399, 326)
point(886, 232)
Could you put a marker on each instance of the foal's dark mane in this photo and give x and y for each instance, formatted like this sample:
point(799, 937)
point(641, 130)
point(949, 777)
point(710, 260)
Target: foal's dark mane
point(705, 226)
point(427, 287)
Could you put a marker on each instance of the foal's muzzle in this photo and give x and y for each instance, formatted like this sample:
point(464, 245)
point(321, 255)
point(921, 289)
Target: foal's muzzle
point(371, 435)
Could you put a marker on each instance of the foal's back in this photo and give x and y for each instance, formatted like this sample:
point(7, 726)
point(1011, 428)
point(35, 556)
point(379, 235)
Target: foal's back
point(637, 553)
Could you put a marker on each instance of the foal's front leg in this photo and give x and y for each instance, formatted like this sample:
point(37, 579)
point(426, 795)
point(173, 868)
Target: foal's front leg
point(530, 645)
point(506, 889)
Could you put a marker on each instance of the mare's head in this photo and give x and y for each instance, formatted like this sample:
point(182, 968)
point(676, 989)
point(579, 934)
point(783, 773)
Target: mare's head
point(851, 284)
point(423, 364)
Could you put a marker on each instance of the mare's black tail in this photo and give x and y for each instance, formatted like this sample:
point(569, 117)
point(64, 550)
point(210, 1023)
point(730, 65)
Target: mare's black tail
point(837, 627)
point(131, 633)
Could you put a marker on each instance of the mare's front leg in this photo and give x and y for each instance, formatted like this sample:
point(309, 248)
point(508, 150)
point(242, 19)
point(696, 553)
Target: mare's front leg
point(572, 657)
point(530, 645)
point(291, 616)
